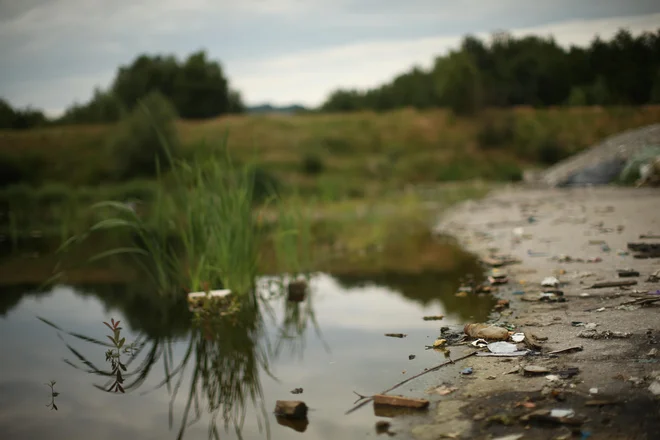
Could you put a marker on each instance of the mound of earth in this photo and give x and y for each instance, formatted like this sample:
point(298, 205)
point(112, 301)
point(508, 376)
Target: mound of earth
point(630, 155)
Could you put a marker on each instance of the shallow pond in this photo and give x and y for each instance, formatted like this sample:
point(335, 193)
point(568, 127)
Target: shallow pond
point(330, 346)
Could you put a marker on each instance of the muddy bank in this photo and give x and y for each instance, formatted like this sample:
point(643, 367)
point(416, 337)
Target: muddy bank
point(579, 236)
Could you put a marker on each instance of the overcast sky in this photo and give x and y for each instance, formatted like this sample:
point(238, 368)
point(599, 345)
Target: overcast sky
point(54, 52)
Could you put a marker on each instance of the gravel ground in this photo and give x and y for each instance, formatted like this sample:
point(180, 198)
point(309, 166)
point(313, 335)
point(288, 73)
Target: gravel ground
point(580, 223)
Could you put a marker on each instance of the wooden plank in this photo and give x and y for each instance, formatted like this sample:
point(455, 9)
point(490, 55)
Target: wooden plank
point(400, 401)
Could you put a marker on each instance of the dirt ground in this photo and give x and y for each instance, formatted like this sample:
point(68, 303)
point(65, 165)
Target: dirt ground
point(610, 394)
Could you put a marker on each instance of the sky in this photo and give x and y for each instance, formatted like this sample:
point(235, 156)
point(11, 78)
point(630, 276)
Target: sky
point(55, 52)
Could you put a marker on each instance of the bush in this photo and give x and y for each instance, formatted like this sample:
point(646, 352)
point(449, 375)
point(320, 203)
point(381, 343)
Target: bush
point(496, 131)
point(312, 164)
point(24, 169)
point(146, 139)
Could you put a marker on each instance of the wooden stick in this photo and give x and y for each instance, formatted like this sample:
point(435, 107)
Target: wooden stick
point(437, 367)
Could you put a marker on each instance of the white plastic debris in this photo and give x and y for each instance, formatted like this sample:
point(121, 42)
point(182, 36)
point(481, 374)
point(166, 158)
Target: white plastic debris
point(480, 343)
point(518, 337)
point(593, 390)
point(567, 413)
point(550, 282)
point(553, 378)
point(502, 347)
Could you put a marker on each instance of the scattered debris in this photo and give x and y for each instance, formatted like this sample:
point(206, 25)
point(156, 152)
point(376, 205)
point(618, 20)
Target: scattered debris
point(433, 318)
point(297, 290)
point(294, 409)
point(396, 335)
point(546, 416)
point(562, 413)
point(603, 334)
point(567, 350)
point(550, 282)
point(442, 390)
point(502, 347)
point(606, 284)
point(439, 343)
point(297, 391)
point(533, 370)
point(480, 343)
point(569, 372)
point(467, 371)
point(411, 357)
point(655, 388)
point(485, 331)
point(628, 273)
point(400, 401)
point(502, 304)
point(518, 337)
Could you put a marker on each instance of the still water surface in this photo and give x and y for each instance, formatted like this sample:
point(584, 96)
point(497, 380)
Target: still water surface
point(330, 345)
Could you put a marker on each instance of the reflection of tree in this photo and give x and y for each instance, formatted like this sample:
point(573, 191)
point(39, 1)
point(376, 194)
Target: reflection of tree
point(429, 287)
point(226, 352)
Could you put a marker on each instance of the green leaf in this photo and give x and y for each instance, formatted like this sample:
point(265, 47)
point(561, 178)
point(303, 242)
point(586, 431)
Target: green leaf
point(121, 342)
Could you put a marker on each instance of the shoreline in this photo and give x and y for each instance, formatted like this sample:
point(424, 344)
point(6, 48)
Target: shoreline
point(609, 395)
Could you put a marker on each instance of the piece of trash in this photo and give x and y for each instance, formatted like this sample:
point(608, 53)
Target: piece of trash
point(294, 409)
point(562, 413)
point(628, 273)
point(411, 357)
point(500, 280)
point(569, 372)
point(567, 350)
point(442, 390)
point(196, 299)
point(607, 284)
point(502, 347)
point(433, 318)
point(400, 401)
point(480, 343)
point(502, 304)
point(297, 391)
point(518, 337)
point(518, 292)
point(485, 331)
point(533, 370)
point(461, 294)
point(603, 334)
point(467, 371)
point(550, 282)
point(510, 437)
point(439, 343)
point(297, 290)
point(601, 309)
point(655, 388)
point(553, 378)
point(593, 390)
point(396, 335)
point(545, 416)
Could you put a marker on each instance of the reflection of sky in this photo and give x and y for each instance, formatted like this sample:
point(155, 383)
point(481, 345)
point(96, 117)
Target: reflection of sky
point(358, 357)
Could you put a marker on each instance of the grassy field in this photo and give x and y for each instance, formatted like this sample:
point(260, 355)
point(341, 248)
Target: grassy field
point(356, 155)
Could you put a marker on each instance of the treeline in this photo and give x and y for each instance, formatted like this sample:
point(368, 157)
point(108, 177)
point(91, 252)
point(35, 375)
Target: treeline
point(532, 71)
point(196, 87)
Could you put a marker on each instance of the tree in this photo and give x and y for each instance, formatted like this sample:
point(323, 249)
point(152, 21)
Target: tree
point(458, 83)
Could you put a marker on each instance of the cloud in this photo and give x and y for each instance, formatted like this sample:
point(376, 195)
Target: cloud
point(309, 76)
point(55, 51)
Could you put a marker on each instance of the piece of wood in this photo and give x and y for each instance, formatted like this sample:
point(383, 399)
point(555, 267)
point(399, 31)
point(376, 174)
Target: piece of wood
point(400, 401)
point(403, 382)
point(396, 335)
point(566, 350)
point(294, 409)
point(606, 284)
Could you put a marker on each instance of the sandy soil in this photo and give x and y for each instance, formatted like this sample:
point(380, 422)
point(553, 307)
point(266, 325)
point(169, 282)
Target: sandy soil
point(617, 372)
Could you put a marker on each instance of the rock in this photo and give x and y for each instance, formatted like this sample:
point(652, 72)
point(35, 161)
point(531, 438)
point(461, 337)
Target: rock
point(655, 388)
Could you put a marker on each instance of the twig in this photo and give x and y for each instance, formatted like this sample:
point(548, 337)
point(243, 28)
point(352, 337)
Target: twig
point(360, 397)
point(566, 350)
point(437, 367)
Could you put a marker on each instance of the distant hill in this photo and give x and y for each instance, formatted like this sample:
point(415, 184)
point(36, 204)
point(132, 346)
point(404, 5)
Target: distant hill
point(267, 108)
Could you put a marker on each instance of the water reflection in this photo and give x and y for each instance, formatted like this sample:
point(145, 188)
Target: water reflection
point(219, 374)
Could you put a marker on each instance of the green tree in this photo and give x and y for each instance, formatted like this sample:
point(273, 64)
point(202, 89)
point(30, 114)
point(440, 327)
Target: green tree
point(458, 83)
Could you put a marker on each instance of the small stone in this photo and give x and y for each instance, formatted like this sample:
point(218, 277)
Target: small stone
point(655, 388)
point(652, 353)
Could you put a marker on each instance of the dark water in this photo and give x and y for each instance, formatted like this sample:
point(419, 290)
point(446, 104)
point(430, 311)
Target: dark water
point(330, 345)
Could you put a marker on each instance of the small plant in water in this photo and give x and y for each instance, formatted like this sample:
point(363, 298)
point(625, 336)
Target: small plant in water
point(53, 395)
point(113, 355)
